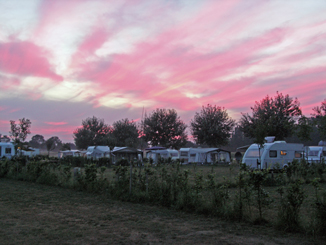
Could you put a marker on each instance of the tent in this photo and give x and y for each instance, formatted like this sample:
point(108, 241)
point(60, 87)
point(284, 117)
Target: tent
point(97, 152)
point(74, 153)
point(208, 155)
point(126, 153)
point(163, 153)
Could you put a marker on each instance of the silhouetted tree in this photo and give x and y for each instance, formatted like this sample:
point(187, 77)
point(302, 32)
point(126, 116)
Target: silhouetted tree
point(320, 118)
point(212, 126)
point(18, 132)
point(37, 141)
point(92, 133)
point(163, 127)
point(271, 117)
point(124, 133)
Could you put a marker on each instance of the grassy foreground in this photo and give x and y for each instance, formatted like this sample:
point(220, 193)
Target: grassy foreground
point(38, 214)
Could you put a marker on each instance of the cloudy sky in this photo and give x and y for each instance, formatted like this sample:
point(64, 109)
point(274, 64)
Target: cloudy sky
point(62, 61)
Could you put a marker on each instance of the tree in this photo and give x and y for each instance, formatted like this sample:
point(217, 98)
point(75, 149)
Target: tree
point(92, 133)
point(271, 117)
point(65, 147)
point(37, 141)
point(21, 130)
point(212, 126)
point(49, 145)
point(124, 133)
point(18, 132)
point(320, 118)
point(304, 128)
point(163, 127)
point(53, 143)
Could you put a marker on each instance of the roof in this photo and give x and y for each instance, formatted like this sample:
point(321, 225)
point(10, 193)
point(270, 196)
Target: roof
point(206, 150)
point(98, 148)
point(156, 148)
point(125, 149)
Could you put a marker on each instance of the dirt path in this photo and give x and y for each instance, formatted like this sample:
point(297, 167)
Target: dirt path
point(37, 214)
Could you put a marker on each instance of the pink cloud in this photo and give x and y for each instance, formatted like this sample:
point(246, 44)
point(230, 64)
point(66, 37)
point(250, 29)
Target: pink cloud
point(56, 123)
point(26, 59)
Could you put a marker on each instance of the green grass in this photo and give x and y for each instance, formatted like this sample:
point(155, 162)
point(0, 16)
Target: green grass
point(39, 214)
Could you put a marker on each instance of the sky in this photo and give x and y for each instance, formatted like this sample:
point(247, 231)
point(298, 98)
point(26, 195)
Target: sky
point(64, 61)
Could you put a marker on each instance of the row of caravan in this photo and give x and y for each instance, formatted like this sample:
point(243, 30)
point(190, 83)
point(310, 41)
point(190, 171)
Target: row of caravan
point(186, 155)
point(278, 154)
point(190, 155)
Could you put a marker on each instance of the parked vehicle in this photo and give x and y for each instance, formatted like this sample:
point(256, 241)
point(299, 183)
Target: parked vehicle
point(7, 150)
point(276, 154)
point(316, 154)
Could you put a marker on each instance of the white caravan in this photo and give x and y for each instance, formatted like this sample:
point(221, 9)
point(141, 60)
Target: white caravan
point(272, 155)
point(7, 150)
point(316, 154)
point(163, 153)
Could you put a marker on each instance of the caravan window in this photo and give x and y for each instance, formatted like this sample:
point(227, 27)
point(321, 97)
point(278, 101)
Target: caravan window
point(193, 155)
point(283, 153)
point(183, 153)
point(174, 154)
point(8, 150)
point(313, 153)
point(272, 153)
point(298, 154)
point(324, 153)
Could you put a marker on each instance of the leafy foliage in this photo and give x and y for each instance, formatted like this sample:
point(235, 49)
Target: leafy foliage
point(271, 117)
point(18, 132)
point(124, 133)
point(320, 118)
point(93, 132)
point(212, 126)
point(37, 141)
point(164, 127)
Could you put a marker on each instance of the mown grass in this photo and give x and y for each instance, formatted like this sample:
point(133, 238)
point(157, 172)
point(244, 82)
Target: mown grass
point(40, 214)
point(200, 189)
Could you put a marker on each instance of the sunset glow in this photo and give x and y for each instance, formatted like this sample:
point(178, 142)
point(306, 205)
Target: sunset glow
point(63, 61)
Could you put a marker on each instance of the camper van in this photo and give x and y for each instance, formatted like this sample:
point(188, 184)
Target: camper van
point(316, 154)
point(272, 155)
point(163, 153)
point(7, 150)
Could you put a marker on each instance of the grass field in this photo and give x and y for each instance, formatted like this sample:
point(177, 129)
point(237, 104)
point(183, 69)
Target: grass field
point(39, 214)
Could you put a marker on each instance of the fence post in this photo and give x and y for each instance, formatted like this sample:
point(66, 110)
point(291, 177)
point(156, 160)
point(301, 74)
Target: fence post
point(130, 178)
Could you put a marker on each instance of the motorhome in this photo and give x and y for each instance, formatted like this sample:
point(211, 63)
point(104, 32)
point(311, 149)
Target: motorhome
point(276, 154)
point(7, 150)
point(316, 154)
point(163, 153)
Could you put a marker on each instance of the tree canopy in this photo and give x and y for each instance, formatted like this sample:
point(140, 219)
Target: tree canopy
point(212, 126)
point(271, 117)
point(163, 127)
point(19, 132)
point(92, 133)
point(124, 133)
point(37, 141)
point(320, 118)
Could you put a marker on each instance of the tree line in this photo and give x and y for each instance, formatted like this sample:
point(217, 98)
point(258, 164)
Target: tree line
point(278, 116)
